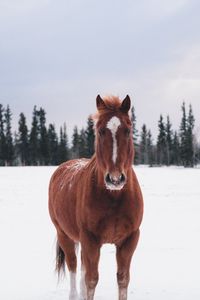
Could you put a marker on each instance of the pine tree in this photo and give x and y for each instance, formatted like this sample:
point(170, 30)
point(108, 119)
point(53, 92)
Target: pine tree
point(65, 136)
point(90, 138)
point(161, 143)
point(53, 145)
point(175, 149)
point(63, 149)
point(149, 142)
point(144, 146)
point(190, 138)
point(9, 148)
point(198, 154)
point(183, 135)
point(186, 137)
point(75, 143)
point(22, 141)
point(2, 137)
point(17, 160)
point(133, 121)
point(82, 144)
point(42, 138)
point(135, 135)
point(196, 149)
point(169, 141)
point(34, 139)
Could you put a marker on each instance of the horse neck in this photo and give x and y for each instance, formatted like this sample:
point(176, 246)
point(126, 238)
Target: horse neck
point(95, 172)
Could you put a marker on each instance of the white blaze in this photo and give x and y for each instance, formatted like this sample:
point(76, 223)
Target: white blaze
point(113, 125)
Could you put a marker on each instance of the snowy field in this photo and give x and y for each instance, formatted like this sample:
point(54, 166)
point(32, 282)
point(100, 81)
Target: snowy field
point(166, 265)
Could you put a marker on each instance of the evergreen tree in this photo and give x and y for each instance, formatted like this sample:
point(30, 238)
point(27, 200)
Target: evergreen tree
point(82, 144)
point(65, 136)
point(190, 138)
point(9, 148)
point(149, 142)
point(90, 138)
point(198, 154)
point(183, 136)
point(42, 138)
point(133, 121)
point(186, 137)
point(135, 135)
point(63, 149)
point(17, 160)
point(196, 149)
point(22, 141)
point(53, 145)
point(2, 137)
point(34, 139)
point(75, 143)
point(169, 141)
point(175, 149)
point(144, 146)
point(161, 143)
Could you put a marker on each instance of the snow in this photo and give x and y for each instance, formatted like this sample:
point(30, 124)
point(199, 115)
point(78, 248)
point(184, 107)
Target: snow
point(165, 266)
point(75, 167)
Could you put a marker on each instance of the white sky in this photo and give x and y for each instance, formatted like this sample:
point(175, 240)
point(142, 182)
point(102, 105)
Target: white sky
point(61, 54)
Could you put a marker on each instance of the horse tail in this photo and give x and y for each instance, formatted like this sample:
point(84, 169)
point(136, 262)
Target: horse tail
point(60, 261)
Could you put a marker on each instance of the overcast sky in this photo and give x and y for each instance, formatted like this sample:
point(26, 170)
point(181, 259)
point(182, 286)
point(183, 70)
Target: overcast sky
point(61, 54)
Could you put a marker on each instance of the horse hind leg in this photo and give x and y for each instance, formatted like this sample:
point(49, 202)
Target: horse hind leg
point(66, 252)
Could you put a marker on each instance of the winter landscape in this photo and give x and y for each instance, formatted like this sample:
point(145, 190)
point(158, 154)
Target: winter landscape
point(166, 263)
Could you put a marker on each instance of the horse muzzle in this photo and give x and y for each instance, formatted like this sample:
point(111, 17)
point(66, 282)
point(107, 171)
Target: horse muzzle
point(115, 181)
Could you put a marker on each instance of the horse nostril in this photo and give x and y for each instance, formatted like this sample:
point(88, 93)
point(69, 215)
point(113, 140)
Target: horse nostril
point(107, 178)
point(122, 178)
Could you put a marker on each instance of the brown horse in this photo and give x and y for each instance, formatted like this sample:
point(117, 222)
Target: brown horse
point(98, 201)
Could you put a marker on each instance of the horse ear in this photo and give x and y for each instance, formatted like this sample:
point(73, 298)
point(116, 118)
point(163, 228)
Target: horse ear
point(126, 104)
point(100, 103)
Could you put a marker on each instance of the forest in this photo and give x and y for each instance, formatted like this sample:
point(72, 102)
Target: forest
point(42, 145)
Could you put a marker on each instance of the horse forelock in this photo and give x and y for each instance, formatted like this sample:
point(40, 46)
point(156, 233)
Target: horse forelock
point(112, 104)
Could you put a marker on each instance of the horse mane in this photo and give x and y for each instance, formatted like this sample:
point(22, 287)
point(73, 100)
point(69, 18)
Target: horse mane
point(112, 104)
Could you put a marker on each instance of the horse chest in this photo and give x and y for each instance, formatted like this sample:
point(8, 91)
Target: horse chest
point(112, 229)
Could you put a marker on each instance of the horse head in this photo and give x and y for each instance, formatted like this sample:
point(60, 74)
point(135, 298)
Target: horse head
point(114, 143)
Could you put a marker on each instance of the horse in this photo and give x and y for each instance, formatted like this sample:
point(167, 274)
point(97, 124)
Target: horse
point(98, 200)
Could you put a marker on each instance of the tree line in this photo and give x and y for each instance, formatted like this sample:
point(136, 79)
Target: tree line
point(172, 147)
point(42, 145)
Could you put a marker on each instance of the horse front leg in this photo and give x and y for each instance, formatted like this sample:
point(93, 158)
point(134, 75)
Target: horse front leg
point(124, 254)
point(90, 259)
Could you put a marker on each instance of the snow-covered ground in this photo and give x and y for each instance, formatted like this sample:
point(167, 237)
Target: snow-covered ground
point(166, 265)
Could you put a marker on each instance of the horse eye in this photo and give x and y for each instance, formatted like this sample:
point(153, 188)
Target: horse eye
point(102, 131)
point(127, 132)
